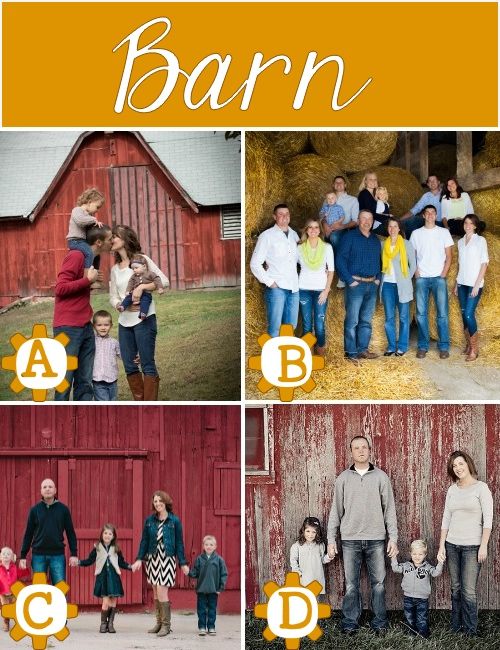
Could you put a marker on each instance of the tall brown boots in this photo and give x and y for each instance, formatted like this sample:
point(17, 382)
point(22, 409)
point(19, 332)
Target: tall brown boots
point(165, 619)
point(474, 348)
point(151, 385)
point(157, 627)
point(136, 384)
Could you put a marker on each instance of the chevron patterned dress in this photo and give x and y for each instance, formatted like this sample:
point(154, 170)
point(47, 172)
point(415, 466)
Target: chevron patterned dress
point(160, 567)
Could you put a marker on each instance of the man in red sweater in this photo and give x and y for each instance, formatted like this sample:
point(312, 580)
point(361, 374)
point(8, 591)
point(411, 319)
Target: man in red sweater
point(73, 313)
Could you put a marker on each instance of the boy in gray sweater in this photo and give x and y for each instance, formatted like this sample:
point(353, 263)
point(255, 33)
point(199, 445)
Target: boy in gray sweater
point(416, 585)
point(211, 575)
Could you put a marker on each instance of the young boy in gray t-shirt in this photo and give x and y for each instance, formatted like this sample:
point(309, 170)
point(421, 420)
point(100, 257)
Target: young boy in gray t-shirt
point(416, 585)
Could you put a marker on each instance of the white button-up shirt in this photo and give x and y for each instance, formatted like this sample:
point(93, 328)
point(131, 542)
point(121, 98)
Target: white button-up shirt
point(470, 258)
point(279, 252)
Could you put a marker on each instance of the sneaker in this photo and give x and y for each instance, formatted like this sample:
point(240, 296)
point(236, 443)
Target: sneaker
point(202, 632)
point(444, 354)
point(399, 353)
point(212, 632)
point(421, 354)
point(389, 353)
point(340, 284)
point(367, 355)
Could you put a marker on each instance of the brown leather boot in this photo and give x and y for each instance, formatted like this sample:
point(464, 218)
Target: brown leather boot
point(151, 385)
point(165, 619)
point(156, 628)
point(467, 342)
point(104, 621)
point(474, 348)
point(111, 618)
point(136, 384)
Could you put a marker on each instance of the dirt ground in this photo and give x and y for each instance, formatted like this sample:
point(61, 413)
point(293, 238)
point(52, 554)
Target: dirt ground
point(131, 634)
point(460, 380)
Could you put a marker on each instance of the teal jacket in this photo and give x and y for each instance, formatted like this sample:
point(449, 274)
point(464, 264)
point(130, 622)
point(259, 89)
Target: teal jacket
point(210, 573)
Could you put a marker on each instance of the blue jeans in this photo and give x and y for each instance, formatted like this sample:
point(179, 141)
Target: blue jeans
point(373, 552)
point(468, 306)
point(144, 302)
point(139, 339)
point(54, 564)
point(310, 309)
point(464, 573)
point(206, 604)
point(417, 615)
point(390, 299)
point(88, 254)
point(439, 289)
point(282, 307)
point(105, 391)
point(360, 304)
point(82, 345)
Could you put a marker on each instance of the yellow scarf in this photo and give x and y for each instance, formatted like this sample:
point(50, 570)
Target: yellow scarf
point(388, 255)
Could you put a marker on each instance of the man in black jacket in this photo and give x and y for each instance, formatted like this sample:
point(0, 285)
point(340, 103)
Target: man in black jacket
point(48, 520)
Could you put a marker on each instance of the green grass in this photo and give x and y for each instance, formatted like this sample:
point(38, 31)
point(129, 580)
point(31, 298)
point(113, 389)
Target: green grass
point(396, 639)
point(197, 347)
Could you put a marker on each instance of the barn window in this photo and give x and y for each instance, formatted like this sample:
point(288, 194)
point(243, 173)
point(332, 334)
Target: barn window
point(230, 221)
point(258, 441)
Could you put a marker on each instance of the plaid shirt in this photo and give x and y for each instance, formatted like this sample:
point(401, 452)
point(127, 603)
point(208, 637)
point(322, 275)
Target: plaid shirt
point(107, 350)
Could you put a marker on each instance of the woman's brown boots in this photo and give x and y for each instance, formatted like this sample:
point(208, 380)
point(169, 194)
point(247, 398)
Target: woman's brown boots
point(136, 384)
point(157, 627)
point(474, 348)
point(165, 619)
point(151, 385)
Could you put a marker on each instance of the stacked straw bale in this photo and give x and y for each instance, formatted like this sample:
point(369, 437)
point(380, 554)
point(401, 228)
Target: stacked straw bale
point(404, 189)
point(287, 144)
point(355, 150)
point(488, 310)
point(487, 202)
point(307, 179)
point(264, 182)
point(443, 161)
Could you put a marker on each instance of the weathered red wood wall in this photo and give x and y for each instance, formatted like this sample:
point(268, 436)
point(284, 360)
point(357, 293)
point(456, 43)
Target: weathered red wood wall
point(187, 246)
point(108, 461)
point(409, 442)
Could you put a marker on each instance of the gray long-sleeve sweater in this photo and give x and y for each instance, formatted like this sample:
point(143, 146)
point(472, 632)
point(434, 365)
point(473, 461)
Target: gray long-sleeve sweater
point(363, 506)
point(416, 581)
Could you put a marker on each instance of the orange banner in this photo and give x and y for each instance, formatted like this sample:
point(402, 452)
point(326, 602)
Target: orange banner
point(250, 64)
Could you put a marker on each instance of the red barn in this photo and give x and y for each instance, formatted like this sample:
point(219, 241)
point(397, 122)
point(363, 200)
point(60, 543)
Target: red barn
point(107, 462)
point(180, 191)
point(294, 453)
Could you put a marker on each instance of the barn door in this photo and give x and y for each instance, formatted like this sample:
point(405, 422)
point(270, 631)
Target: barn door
point(227, 507)
point(139, 201)
point(103, 489)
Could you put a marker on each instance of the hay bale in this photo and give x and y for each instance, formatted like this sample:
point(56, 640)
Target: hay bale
point(355, 150)
point(404, 189)
point(486, 205)
point(481, 161)
point(307, 179)
point(487, 314)
point(264, 183)
point(443, 161)
point(492, 148)
point(287, 144)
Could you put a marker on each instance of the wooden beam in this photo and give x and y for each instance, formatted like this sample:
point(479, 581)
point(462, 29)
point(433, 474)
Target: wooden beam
point(480, 180)
point(424, 156)
point(464, 154)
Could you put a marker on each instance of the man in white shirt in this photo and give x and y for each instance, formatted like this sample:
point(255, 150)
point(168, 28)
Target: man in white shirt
point(277, 249)
point(433, 252)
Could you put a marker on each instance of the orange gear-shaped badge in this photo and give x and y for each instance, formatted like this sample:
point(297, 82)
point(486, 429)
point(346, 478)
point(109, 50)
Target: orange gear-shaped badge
point(292, 611)
point(40, 362)
point(40, 611)
point(286, 362)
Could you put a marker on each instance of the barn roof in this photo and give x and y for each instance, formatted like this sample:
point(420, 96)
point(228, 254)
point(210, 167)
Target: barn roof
point(203, 164)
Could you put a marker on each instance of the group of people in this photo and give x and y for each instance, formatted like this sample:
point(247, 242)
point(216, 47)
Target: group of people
point(413, 257)
point(363, 512)
point(161, 545)
point(133, 277)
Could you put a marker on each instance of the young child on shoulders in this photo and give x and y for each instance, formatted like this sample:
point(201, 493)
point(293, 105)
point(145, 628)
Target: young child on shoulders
point(331, 213)
point(210, 572)
point(141, 275)
point(82, 217)
point(9, 573)
point(107, 351)
point(307, 554)
point(416, 585)
point(108, 560)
